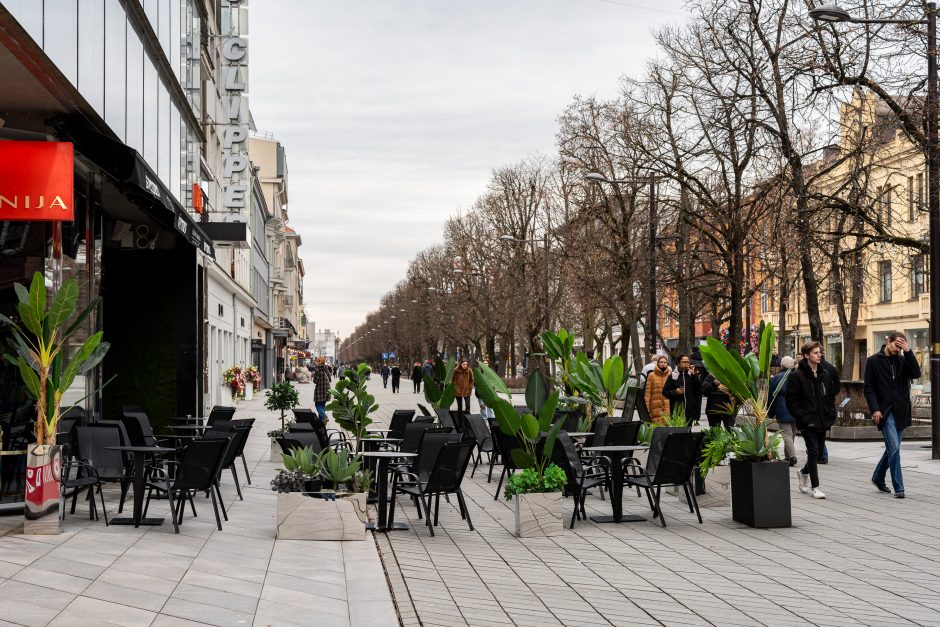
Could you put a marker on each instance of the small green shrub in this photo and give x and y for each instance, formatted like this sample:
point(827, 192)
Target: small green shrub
point(527, 480)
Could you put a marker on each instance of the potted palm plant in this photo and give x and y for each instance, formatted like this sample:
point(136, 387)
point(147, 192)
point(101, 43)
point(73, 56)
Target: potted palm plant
point(536, 490)
point(601, 385)
point(39, 341)
point(760, 481)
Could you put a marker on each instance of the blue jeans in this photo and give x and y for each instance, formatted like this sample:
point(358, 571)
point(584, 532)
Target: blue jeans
point(321, 410)
point(891, 459)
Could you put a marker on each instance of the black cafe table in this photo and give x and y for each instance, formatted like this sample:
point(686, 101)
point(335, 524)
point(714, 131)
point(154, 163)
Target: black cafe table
point(617, 455)
point(140, 481)
point(381, 486)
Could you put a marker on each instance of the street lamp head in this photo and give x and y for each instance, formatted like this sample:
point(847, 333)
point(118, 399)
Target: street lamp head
point(830, 13)
point(507, 238)
point(414, 301)
point(595, 177)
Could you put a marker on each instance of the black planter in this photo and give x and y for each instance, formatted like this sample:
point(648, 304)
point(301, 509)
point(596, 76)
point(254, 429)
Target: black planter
point(760, 493)
point(313, 485)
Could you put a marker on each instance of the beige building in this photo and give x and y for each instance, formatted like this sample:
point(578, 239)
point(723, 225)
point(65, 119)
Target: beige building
point(896, 286)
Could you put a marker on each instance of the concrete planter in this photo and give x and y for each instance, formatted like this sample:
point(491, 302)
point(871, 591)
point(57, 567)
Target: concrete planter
point(872, 433)
point(538, 514)
point(249, 391)
point(43, 490)
point(275, 451)
point(301, 516)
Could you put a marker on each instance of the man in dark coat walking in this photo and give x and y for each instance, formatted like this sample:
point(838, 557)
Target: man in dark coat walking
point(888, 375)
point(684, 387)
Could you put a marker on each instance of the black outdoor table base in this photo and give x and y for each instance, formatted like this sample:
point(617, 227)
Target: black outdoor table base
point(381, 481)
point(140, 480)
point(154, 522)
point(617, 455)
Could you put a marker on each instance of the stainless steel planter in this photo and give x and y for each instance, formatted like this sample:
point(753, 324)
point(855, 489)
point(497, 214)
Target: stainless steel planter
point(302, 517)
point(538, 514)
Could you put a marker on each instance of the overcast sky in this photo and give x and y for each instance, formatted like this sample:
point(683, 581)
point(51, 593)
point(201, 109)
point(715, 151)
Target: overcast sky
point(394, 112)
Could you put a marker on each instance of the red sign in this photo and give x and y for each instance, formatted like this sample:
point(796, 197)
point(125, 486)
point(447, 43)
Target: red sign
point(197, 198)
point(37, 181)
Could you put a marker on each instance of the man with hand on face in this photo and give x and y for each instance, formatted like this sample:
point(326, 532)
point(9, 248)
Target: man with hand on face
point(888, 375)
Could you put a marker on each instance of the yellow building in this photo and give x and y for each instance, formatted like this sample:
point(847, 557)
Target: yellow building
point(896, 287)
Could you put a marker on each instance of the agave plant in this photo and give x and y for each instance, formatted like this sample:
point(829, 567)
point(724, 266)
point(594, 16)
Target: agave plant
point(303, 459)
point(39, 343)
point(340, 467)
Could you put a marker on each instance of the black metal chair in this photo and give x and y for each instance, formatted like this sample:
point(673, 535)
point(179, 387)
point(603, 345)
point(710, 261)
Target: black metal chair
point(484, 440)
point(430, 442)
point(581, 477)
point(444, 477)
point(109, 466)
point(196, 471)
point(85, 475)
point(622, 433)
point(673, 466)
point(220, 412)
point(236, 439)
point(400, 418)
point(299, 439)
point(444, 417)
point(504, 445)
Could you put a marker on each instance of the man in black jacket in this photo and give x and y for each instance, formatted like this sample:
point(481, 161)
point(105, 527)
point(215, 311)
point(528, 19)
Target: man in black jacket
point(684, 387)
point(811, 401)
point(888, 375)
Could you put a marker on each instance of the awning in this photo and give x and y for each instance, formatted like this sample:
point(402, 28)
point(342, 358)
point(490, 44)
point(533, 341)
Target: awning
point(137, 179)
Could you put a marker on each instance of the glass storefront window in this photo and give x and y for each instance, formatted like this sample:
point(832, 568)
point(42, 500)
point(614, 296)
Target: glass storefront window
point(151, 114)
point(163, 133)
point(60, 31)
point(115, 68)
point(91, 38)
point(135, 91)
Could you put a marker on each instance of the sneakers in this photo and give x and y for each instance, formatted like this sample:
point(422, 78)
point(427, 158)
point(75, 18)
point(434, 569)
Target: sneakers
point(899, 495)
point(881, 486)
point(793, 461)
point(804, 482)
point(817, 494)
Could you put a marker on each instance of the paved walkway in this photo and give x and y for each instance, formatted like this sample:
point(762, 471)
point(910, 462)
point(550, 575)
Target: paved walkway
point(98, 575)
point(857, 558)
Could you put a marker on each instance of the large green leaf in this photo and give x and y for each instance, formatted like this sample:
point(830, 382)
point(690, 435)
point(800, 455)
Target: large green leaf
point(22, 294)
point(77, 322)
point(37, 295)
point(448, 396)
point(530, 427)
point(31, 321)
point(767, 341)
point(507, 417)
point(613, 375)
point(552, 345)
point(486, 375)
point(78, 359)
point(535, 390)
point(30, 378)
point(547, 414)
point(522, 458)
point(63, 305)
point(723, 366)
point(432, 391)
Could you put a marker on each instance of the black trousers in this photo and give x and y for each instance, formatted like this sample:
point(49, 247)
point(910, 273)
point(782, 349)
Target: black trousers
point(384, 380)
point(815, 443)
point(715, 420)
point(460, 402)
point(396, 384)
point(417, 384)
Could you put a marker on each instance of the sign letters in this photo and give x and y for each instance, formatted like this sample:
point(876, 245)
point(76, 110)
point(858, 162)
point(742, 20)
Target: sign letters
point(37, 181)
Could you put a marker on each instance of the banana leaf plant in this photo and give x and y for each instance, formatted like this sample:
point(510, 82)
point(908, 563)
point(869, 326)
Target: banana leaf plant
point(560, 348)
point(536, 390)
point(439, 391)
point(602, 385)
point(747, 379)
point(352, 403)
point(533, 452)
point(39, 343)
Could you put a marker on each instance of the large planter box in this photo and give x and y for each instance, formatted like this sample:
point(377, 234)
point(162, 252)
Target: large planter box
point(301, 516)
point(760, 493)
point(538, 514)
point(249, 391)
point(43, 490)
point(275, 451)
point(872, 433)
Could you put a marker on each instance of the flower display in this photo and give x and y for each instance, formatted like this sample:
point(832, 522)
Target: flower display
point(253, 376)
point(235, 378)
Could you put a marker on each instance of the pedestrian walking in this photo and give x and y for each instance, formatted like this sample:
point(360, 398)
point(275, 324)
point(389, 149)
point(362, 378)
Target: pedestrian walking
point(836, 386)
point(785, 420)
point(463, 382)
point(396, 378)
point(684, 387)
point(811, 401)
point(321, 390)
point(888, 375)
point(386, 373)
point(416, 375)
point(427, 370)
point(656, 403)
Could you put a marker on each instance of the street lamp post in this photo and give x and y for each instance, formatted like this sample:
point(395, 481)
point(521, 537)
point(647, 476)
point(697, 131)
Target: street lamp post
point(544, 241)
point(652, 312)
point(833, 13)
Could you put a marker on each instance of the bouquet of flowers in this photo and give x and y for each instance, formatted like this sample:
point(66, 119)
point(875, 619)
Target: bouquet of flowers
point(234, 377)
point(253, 376)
